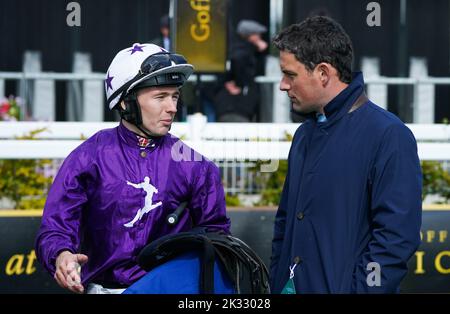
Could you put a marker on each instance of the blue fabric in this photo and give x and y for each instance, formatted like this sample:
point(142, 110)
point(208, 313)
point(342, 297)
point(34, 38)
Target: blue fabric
point(321, 118)
point(352, 196)
point(180, 276)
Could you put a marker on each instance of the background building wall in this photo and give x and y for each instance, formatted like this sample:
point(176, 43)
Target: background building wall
point(108, 26)
point(424, 34)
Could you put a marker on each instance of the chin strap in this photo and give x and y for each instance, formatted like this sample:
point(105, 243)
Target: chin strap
point(146, 133)
point(132, 114)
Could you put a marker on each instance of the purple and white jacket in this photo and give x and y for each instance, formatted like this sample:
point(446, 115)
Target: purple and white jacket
point(112, 196)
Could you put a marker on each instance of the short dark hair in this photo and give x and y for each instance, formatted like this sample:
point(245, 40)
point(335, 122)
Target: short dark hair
point(318, 39)
point(164, 21)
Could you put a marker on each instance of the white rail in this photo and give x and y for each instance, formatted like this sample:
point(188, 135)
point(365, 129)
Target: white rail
point(217, 141)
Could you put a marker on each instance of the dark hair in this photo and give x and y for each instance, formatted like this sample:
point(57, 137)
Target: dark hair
point(164, 21)
point(318, 39)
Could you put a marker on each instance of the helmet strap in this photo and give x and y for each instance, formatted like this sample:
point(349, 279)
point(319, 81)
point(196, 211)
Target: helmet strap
point(132, 112)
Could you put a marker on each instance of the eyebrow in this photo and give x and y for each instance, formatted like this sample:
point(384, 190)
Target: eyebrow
point(177, 93)
point(288, 72)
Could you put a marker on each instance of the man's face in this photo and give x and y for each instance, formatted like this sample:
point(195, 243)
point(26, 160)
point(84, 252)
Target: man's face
point(165, 31)
point(158, 108)
point(303, 87)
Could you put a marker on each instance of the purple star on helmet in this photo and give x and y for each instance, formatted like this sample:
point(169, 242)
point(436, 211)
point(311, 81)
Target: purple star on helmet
point(136, 48)
point(108, 82)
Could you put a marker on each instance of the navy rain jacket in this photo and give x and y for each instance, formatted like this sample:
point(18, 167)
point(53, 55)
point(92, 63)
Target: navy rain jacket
point(352, 196)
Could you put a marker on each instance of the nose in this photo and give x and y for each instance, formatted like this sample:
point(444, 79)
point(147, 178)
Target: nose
point(284, 86)
point(172, 106)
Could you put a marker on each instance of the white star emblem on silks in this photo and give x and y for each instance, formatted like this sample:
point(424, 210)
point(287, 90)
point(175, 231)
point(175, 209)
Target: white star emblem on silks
point(148, 203)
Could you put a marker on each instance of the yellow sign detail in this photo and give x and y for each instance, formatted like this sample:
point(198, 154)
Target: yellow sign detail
point(200, 33)
point(201, 30)
point(438, 263)
point(419, 268)
point(15, 265)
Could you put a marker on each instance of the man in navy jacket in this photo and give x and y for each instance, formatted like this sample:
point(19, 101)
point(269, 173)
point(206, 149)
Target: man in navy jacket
point(350, 212)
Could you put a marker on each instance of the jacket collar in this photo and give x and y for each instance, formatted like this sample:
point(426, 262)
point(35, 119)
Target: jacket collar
point(135, 140)
point(342, 102)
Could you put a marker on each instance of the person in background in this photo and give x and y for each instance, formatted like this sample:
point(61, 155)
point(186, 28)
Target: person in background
point(238, 99)
point(163, 40)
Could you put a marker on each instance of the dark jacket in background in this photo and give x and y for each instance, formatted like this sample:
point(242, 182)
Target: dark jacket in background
point(245, 64)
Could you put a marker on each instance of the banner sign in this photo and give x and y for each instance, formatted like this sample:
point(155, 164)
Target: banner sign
point(429, 268)
point(199, 28)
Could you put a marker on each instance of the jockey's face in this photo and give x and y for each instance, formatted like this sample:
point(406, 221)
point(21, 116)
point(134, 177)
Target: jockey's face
point(158, 108)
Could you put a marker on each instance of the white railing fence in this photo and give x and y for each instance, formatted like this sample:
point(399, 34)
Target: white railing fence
point(85, 89)
point(235, 147)
point(217, 141)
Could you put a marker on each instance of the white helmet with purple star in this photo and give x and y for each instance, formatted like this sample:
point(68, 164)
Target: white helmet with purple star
point(144, 65)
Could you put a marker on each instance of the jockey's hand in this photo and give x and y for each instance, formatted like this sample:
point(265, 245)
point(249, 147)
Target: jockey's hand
point(67, 274)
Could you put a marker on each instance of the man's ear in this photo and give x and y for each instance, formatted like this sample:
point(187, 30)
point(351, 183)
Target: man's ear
point(325, 71)
point(122, 105)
